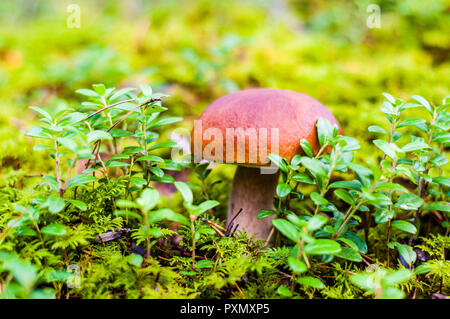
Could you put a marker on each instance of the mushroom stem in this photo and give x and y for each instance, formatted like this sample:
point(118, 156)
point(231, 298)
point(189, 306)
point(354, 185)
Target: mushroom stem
point(253, 192)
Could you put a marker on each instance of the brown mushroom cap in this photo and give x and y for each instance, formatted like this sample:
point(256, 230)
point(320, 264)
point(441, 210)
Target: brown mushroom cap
point(294, 114)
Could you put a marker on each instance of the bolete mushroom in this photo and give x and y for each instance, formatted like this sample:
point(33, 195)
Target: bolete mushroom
point(258, 122)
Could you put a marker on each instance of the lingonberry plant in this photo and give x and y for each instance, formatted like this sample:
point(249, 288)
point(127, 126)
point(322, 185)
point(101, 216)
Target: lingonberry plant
point(403, 185)
point(345, 226)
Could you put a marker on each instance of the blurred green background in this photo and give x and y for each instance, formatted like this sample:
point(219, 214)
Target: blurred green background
point(199, 50)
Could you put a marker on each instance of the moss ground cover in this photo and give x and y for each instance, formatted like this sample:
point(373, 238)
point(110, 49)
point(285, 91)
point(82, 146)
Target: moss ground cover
point(370, 219)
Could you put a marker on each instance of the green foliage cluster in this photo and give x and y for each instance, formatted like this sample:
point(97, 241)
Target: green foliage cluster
point(105, 232)
point(366, 217)
point(395, 192)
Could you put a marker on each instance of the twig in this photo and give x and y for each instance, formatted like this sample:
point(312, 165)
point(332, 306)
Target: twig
point(269, 237)
point(12, 225)
point(92, 254)
point(230, 224)
point(58, 171)
point(107, 107)
point(237, 286)
point(34, 175)
point(132, 111)
point(215, 225)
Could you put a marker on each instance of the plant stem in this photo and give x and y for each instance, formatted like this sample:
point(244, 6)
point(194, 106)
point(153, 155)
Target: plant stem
point(107, 107)
point(147, 237)
point(347, 217)
point(422, 182)
point(58, 170)
point(330, 172)
point(193, 241)
point(69, 172)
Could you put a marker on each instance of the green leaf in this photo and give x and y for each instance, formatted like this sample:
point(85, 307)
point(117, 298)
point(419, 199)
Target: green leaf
point(423, 102)
point(324, 131)
point(317, 199)
point(146, 90)
point(307, 148)
point(117, 132)
point(440, 206)
point(278, 161)
point(443, 180)
point(441, 137)
point(283, 190)
point(363, 280)
point(316, 222)
point(386, 148)
point(25, 273)
point(315, 166)
point(323, 247)
point(303, 178)
point(376, 129)
point(348, 242)
point(120, 93)
point(54, 230)
point(98, 135)
point(130, 150)
point(284, 291)
point(388, 109)
point(439, 160)
point(294, 162)
point(116, 164)
point(138, 181)
point(165, 179)
point(88, 92)
point(148, 199)
point(55, 204)
point(416, 145)
point(345, 196)
point(204, 263)
point(266, 213)
point(185, 191)
point(99, 88)
point(80, 180)
point(167, 214)
point(405, 226)
point(135, 260)
point(360, 243)
point(409, 201)
point(162, 145)
point(296, 265)
point(128, 213)
point(156, 171)
point(209, 204)
point(349, 254)
point(42, 112)
point(38, 132)
point(355, 185)
point(411, 122)
point(68, 143)
point(165, 121)
point(398, 277)
point(389, 97)
point(78, 204)
point(151, 158)
point(287, 229)
point(310, 282)
point(391, 187)
point(71, 119)
point(407, 253)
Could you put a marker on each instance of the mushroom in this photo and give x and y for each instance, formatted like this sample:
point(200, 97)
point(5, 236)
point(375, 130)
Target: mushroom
point(225, 133)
